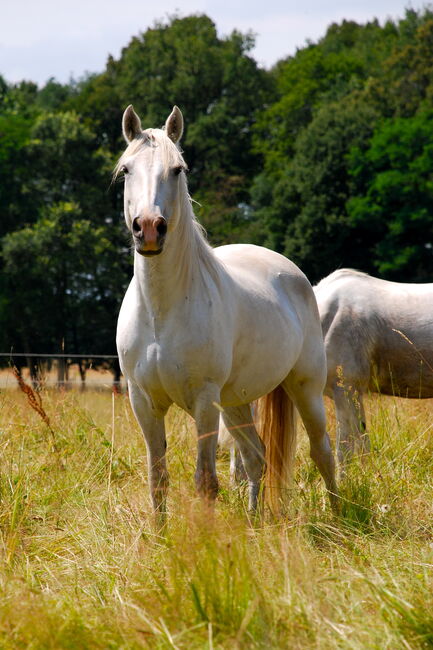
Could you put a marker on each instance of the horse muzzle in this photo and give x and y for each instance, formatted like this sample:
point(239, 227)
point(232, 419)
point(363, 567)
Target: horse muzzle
point(149, 234)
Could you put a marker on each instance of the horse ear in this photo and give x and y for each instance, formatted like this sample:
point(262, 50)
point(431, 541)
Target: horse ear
point(174, 125)
point(131, 125)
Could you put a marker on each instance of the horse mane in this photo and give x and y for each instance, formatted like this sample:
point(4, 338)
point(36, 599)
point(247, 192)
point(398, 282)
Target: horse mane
point(192, 244)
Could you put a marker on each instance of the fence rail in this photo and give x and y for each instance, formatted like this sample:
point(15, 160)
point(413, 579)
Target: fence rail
point(62, 369)
point(60, 355)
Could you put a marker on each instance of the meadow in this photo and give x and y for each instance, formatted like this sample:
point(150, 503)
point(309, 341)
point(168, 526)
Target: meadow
point(82, 565)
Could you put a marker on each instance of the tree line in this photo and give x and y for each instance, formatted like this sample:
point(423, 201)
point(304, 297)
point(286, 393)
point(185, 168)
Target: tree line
point(327, 157)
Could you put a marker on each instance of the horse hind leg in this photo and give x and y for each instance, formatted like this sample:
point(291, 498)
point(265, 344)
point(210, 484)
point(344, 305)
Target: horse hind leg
point(226, 441)
point(238, 420)
point(237, 469)
point(307, 396)
point(364, 438)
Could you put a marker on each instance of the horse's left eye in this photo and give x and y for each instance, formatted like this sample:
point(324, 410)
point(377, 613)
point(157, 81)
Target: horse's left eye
point(177, 170)
point(124, 169)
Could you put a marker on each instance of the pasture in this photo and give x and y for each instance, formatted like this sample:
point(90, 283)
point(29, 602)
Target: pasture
point(82, 565)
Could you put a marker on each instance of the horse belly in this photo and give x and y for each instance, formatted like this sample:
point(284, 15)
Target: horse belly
point(259, 367)
point(408, 374)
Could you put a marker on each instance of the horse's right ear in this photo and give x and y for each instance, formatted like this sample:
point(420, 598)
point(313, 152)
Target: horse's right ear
point(131, 125)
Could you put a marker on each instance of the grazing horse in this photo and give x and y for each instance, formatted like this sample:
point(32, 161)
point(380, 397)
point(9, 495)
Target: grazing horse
point(212, 330)
point(379, 338)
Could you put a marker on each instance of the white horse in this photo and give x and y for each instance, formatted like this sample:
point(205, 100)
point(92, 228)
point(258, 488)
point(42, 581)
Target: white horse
point(379, 338)
point(212, 330)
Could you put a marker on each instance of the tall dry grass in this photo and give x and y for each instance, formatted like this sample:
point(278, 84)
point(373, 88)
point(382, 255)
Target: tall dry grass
point(83, 567)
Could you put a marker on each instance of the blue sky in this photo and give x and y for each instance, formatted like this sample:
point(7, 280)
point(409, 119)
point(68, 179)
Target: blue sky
point(40, 39)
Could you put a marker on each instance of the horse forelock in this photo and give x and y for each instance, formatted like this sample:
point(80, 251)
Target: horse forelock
point(171, 155)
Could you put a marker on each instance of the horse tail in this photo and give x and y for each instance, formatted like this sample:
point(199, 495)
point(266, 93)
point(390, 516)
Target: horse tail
point(276, 424)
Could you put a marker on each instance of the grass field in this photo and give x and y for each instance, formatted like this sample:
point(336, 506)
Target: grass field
point(83, 567)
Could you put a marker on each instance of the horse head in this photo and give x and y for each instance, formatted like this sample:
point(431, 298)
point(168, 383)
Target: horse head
point(152, 166)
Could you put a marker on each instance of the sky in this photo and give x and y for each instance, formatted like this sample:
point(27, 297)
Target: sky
point(65, 39)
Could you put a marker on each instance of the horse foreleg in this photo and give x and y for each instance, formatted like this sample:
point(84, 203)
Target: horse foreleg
point(206, 415)
point(239, 422)
point(153, 429)
point(364, 438)
point(350, 414)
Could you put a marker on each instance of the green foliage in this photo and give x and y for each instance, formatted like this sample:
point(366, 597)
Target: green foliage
point(14, 133)
point(58, 145)
point(67, 163)
point(62, 266)
point(53, 96)
point(317, 75)
point(19, 98)
point(305, 215)
point(322, 199)
point(218, 87)
point(393, 205)
point(325, 158)
point(404, 84)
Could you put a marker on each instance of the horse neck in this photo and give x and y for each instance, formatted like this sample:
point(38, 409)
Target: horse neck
point(186, 268)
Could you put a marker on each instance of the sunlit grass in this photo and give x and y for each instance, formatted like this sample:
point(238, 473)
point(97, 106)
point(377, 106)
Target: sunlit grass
point(82, 565)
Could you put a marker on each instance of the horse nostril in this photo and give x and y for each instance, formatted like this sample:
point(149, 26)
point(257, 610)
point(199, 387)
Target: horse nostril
point(161, 226)
point(136, 226)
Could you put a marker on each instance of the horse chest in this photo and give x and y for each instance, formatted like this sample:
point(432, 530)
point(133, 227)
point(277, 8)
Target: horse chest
point(167, 367)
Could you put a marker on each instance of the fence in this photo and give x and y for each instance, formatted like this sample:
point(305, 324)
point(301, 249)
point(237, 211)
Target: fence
point(61, 370)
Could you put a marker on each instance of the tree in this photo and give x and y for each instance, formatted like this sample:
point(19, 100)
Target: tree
point(15, 206)
point(321, 73)
point(307, 218)
point(54, 96)
point(405, 82)
point(332, 96)
point(63, 246)
point(67, 164)
point(62, 284)
point(392, 209)
point(218, 87)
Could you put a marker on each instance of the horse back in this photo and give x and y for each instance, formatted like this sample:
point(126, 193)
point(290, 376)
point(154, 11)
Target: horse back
point(378, 334)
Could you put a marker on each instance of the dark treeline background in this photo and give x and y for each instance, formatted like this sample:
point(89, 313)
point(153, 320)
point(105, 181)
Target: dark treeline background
point(327, 158)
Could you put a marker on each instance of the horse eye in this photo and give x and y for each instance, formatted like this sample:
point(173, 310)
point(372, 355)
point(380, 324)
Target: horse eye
point(124, 169)
point(177, 170)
